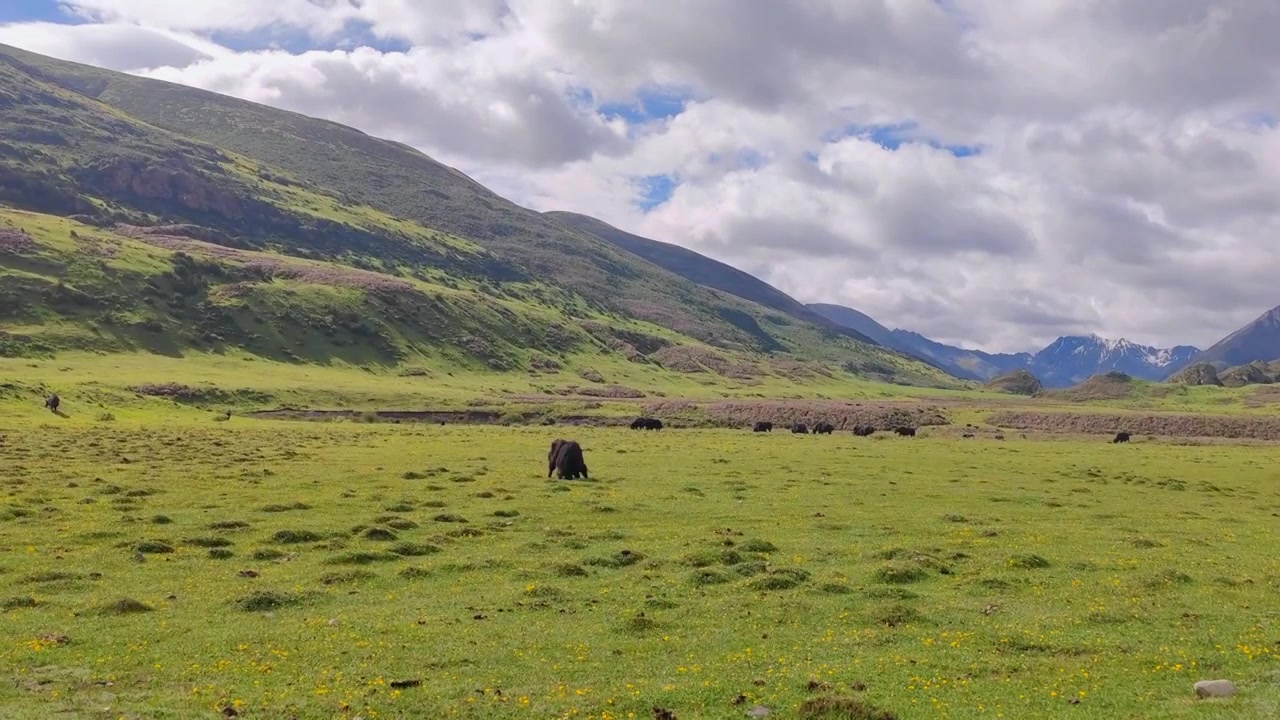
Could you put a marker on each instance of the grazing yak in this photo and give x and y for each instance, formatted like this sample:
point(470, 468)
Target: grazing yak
point(1121, 437)
point(863, 430)
point(566, 459)
point(646, 424)
point(823, 428)
point(906, 431)
point(800, 429)
point(762, 426)
point(52, 402)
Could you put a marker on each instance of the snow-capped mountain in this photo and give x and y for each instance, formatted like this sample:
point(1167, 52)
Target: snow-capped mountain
point(1072, 359)
point(1064, 362)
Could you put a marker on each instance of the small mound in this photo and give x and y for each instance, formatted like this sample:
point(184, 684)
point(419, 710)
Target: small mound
point(380, 534)
point(126, 606)
point(841, 708)
point(17, 603)
point(409, 549)
point(289, 537)
point(266, 600)
point(1016, 382)
point(208, 542)
point(1106, 386)
point(1198, 374)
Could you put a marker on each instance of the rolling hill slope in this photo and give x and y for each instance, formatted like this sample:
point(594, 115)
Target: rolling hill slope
point(172, 167)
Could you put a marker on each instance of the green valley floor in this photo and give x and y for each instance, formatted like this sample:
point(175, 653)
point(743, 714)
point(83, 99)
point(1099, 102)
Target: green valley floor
point(183, 565)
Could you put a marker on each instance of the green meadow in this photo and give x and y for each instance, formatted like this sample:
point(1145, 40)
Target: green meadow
point(168, 565)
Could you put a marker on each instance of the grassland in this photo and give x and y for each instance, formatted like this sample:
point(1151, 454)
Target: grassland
point(170, 566)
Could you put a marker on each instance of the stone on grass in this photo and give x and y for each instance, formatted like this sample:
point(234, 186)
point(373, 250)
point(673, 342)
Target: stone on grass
point(1215, 688)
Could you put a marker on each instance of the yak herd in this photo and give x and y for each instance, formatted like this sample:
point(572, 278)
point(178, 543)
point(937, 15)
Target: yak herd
point(826, 428)
point(565, 457)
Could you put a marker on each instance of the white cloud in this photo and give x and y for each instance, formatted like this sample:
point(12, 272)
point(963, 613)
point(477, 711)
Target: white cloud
point(118, 47)
point(1126, 183)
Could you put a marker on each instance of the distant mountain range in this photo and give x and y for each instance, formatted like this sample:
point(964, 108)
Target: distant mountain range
point(1063, 363)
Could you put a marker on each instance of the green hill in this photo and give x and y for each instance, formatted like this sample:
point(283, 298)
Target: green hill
point(150, 216)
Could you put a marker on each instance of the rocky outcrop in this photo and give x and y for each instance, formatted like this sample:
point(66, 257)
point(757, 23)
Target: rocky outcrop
point(16, 242)
point(1252, 374)
point(1017, 382)
point(169, 182)
point(1197, 374)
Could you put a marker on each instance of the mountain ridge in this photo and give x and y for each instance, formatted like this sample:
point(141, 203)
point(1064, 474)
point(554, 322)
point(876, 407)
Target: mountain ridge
point(1066, 361)
point(701, 269)
point(1256, 341)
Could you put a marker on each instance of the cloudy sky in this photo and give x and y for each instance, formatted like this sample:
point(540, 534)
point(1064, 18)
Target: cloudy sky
point(987, 172)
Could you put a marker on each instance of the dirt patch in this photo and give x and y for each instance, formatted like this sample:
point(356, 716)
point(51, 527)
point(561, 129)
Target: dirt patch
point(543, 364)
point(453, 417)
point(96, 247)
point(796, 370)
point(690, 359)
point(608, 391)
point(591, 375)
point(188, 394)
point(1169, 425)
point(1263, 396)
point(16, 242)
point(634, 345)
point(267, 267)
point(844, 415)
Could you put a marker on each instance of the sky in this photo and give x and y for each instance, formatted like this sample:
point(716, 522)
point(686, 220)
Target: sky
point(989, 173)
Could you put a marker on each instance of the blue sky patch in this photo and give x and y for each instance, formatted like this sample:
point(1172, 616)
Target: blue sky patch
point(34, 11)
point(650, 104)
point(1261, 119)
point(654, 190)
point(892, 137)
point(292, 40)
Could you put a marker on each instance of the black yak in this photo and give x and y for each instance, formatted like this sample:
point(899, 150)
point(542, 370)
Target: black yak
point(762, 426)
point(1121, 437)
point(52, 402)
point(800, 429)
point(823, 428)
point(906, 431)
point(863, 430)
point(565, 458)
point(646, 424)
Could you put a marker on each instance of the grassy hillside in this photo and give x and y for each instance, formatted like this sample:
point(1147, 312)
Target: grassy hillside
point(379, 253)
